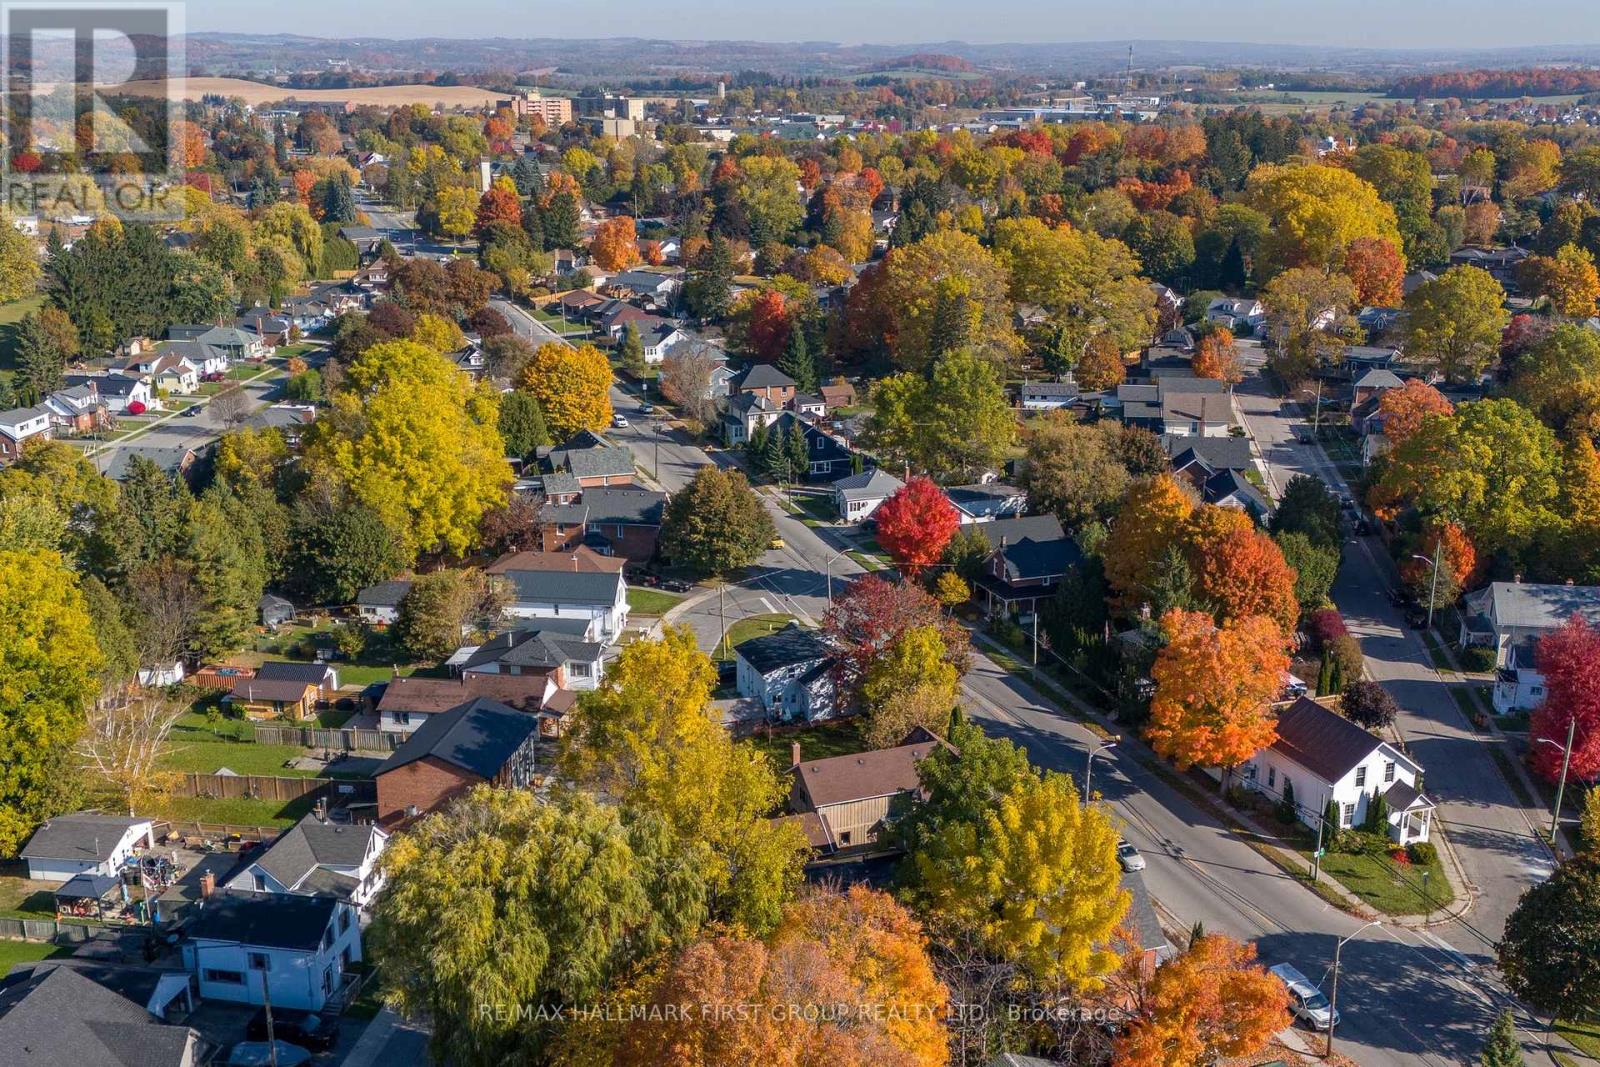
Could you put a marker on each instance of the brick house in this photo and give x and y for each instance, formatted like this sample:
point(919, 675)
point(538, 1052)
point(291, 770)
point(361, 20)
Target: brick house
point(612, 522)
point(480, 742)
point(765, 380)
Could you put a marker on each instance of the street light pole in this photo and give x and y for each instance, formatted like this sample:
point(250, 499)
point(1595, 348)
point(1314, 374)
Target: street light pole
point(1566, 761)
point(1088, 764)
point(1433, 583)
point(829, 565)
point(1333, 998)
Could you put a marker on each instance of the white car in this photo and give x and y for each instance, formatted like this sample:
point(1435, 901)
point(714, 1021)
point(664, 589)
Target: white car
point(1129, 857)
point(619, 422)
point(1306, 1001)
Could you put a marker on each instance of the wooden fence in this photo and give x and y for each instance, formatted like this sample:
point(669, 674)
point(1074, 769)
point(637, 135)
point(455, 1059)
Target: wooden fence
point(62, 933)
point(331, 740)
point(269, 787)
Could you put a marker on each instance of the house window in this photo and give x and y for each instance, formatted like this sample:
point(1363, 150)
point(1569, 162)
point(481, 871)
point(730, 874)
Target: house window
point(1536, 691)
point(844, 838)
point(1388, 773)
point(402, 718)
point(620, 531)
point(258, 961)
point(1347, 816)
point(579, 670)
point(223, 977)
point(1361, 777)
point(261, 883)
point(1272, 777)
point(344, 919)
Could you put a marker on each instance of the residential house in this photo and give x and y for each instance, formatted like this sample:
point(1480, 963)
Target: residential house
point(366, 239)
point(613, 522)
point(1511, 618)
point(659, 338)
point(1356, 360)
point(857, 496)
point(1366, 395)
point(1416, 280)
point(379, 604)
point(273, 330)
point(123, 394)
point(580, 584)
point(175, 461)
point(274, 698)
point(408, 702)
point(315, 857)
point(1231, 489)
point(1028, 557)
point(790, 672)
point(578, 304)
point(838, 395)
point(745, 414)
point(297, 951)
point(53, 1014)
point(325, 676)
point(1320, 756)
point(172, 373)
point(1180, 338)
point(855, 797)
point(1197, 407)
point(987, 501)
point(207, 360)
point(1241, 317)
point(84, 842)
point(1196, 459)
point(613, 317)
point(828, 454)
point(590, 459)
point(655, 287)
point(76, 409)
point(1047, 396)
point(479, 742)
point(1502, 263)
point(765, 380)
point(289, 419)
point(21, 425)
point(237, 344)
point(814, 406)
point(558, 653)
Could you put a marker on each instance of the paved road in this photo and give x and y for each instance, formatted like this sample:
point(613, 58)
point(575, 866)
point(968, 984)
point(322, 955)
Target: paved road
point(188, 431)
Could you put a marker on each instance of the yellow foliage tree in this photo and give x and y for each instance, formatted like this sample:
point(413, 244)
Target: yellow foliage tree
point(1151, 520)
point(1316, 212)
point(438, 334)
point(458, 210)
point(918, 658)
point(572, 385)
point(951, 269)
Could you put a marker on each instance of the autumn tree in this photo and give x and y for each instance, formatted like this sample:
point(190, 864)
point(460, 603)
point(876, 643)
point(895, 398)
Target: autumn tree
point(1448, 543)
point(434, 612)
point(1101, 366)
point(1403, 410)
point(1377, 269)
point(1298, 303)
point(1558, 376)
point(917, 659)
point(572, 386)
point(499, 205)
point(1369, 705)
point(1243, 573)
point(1151, 520)
point(768, 325)
point(954, 423)
point(647, 739)
point(1074, 470)
point(1215, 356)
point(1210, 1002)
point(1317, 212)
point(716, 524)
point(873, 613)
point(49, 665)
point(1214, 689)
point(124, 740)
point(947, 268)
point(915, 524)
point(1454, 322)
point(1569, 660)
point(1568, 279)
point(1550, 951)
point(616, 244)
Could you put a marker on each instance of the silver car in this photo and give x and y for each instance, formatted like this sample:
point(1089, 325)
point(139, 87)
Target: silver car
point(1129, 857)
point(1306, 1002)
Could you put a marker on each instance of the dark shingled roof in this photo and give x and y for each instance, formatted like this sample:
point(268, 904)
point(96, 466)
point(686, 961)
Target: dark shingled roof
point(1322, 741)
point(82, 836)
point(56, 1017)
point(762, 376)
point(430, 696)
point(533, 647)
point(1035, 547)
point(787, 647)
point(384, 594)
point(1217, 453)
point(478, 736)
point(881, 772)
point(284, 671)
point(310, 844)
point(270, 920)
point(629, 507)
point(1142, 914)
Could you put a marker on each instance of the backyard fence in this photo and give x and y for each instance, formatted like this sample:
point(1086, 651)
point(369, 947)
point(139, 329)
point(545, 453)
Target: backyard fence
point(269, 787)
point(331, 740)
point(61, 933)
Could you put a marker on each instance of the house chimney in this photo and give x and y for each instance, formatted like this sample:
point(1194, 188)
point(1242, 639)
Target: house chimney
point(794, 753)
point(208, 884)
point(1517, 578)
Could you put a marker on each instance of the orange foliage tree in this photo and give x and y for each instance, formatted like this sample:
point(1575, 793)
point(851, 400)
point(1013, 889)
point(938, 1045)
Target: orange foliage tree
point(915, 524)
point(1216, 356)
point(1150, 521)
point(1214, 689)
point(1378, 269)
point(1404, 409)
point(303, 181)
point(1457, 556)
point(498, 204)
point(1243, 573)
point(769, 327)
point(858, 948)
point(1213, 1001)
point(616, 244)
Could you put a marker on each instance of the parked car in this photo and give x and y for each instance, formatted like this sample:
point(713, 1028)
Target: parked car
point(676, 585)
point(1128, 856)
point(619, 422)
point(776, 542)
point(1305, 437)
point(307, 1029)
point(192, 410)
point(645, 409)
point(1306, 1001)
point(258, 1054)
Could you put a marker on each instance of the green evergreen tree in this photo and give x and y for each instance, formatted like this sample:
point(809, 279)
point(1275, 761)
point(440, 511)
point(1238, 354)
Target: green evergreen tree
point(631, 350)
point(707, 294)
point(533, 224)
point(1503, 1049)
point(797, 363)
point(527, 177)
point(1330, 823)
point(561, 222)
point(522, 423)
point(1232, 274)
point(951, 330)
point(1288, 810)
point(338, 201)
point(1377, 814)
point(40, 361)
point(798, 454)
point(774, 455)
point(1196, 932)
point(756, 448)
point(8, 398)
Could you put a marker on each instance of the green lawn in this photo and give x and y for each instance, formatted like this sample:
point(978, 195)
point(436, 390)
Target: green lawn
point(745, 629)
point(651, 601)
point(191, 753)
point(10, 315)
point(1388, 886)
point(819, 742)
point(15, 952)
point(1584, 1036)
point(21, 898)
point(236, 812)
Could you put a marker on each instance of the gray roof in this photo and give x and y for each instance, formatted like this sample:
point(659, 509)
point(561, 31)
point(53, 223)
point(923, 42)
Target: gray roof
point(23, 414)
point(384, 594)
point(535, 647)
point(170, 459)
point(479, 736)
point(628, 507)
point(991, 498)
point(57, 1017)
point(763, 376)
point(88, 885)
point(1142, 914)
point(1532, 606)
point(310, 844)
point(1225, 483)
point(1217, 453)
point(1403, 797)
point(1049, 389)
point(787, 647)
point(560, 483)
point(270, 920)
point(1322, 741)
point(566, 587)
point(108, 384)
point(564, 514)
point(1197, 406)
point(1379, 378)
point(868, 485)
point(609, 462)
point(284, 671)
point(1034, 547)
point(81, 837)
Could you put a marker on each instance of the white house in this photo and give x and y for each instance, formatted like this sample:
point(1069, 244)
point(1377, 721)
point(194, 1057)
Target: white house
point(558, 651)
point(318, 858)
point(1511, 617)
point(123, 394)
point(1048, 396)
point(857, 496)
point(19, 426)
point(380, 604)
point(790, 673)
point(298, 947)
point(1241, 317)
point(568, 585)
point(659, 340)
point(84, 842)
point(1319, 756)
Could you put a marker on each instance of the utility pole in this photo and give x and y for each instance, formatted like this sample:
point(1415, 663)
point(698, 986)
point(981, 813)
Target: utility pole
point(1035, 633)
point(1566, 761)
point(266, 1003)
point(1316, 415)
point(1316, 854)
point(722, 613)
point(1333, 997)
point(1433, 597)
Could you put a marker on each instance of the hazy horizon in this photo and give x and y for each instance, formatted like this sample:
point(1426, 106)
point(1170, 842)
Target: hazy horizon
point(1395, 24)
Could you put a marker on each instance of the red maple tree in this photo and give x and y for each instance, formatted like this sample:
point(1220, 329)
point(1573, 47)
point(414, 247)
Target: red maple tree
point(915, 524)
point(1569, 660)
point(872, 614)
point(769, 326)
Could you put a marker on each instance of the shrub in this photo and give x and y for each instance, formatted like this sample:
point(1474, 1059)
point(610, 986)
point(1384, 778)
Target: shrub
point(1400, 856)
point(1288, 810)
point(1423, 853)
point(1478, 658)
point(1326, 625)
point(1368, 704)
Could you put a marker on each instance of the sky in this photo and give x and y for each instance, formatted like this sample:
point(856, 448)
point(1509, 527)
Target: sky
point(1359, 23)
